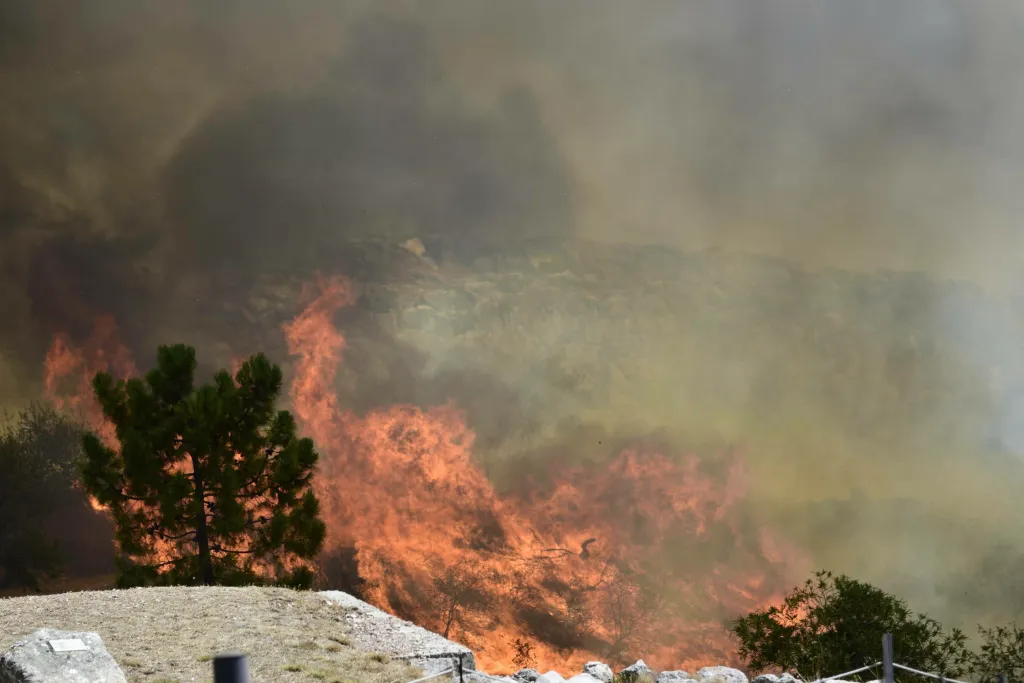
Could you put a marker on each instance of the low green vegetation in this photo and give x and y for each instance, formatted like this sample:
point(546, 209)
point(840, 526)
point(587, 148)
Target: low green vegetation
point(40, 451)
point(834, 624)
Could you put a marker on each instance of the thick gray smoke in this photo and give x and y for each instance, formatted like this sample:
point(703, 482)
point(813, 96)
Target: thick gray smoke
point(148, 149)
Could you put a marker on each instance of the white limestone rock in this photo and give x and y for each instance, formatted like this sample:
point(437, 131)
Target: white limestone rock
point(637, 673)
point(600, 671)
point(677, 676)
point(721, 674)
point(584, 678)
point(35, 660)
point(551, 677)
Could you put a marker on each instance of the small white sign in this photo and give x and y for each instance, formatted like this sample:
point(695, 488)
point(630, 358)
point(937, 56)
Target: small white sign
point(68, 645)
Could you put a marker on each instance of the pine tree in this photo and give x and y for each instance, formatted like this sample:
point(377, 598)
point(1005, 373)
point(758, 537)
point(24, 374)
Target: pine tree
point(209, 485)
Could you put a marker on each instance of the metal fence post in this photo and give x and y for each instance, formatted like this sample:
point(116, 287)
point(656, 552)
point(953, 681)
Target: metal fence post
point(231, 667)
point(889, 673)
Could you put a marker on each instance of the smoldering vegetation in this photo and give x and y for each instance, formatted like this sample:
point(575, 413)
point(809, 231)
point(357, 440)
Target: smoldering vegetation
point(158, 161)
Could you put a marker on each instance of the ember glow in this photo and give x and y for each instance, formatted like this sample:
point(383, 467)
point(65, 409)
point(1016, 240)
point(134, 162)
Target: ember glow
point(645, 554)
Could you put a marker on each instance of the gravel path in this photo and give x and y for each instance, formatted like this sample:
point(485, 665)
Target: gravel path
point(165, 635)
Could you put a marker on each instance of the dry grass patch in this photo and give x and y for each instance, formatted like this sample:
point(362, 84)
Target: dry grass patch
point(160, 635)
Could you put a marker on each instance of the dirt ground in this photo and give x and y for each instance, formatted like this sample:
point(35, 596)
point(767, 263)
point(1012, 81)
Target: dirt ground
point(170, 634)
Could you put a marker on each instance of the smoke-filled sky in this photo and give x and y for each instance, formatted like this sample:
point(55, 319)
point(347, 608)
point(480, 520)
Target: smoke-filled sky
point(144, 142)
point(866, 134)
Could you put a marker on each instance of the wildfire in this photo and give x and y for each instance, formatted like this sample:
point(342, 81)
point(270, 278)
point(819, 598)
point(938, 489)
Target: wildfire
point(645, 554)
point(68, 372)
point(589, 562)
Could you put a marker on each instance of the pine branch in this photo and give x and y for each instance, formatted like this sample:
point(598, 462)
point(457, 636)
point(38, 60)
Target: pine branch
point(221, 549)
point(168, 562)
point(263, 470)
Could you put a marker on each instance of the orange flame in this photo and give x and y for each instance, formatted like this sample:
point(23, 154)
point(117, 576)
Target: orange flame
point(68, 372)
point(644, 555)
point(581, 567)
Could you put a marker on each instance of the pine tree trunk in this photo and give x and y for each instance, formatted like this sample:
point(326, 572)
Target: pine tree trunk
point(202, 539)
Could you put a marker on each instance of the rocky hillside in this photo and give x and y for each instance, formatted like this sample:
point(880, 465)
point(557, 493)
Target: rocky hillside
point(646, 334)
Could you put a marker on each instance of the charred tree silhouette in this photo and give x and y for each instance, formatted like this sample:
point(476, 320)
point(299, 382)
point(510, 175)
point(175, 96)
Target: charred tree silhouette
point(457, 590)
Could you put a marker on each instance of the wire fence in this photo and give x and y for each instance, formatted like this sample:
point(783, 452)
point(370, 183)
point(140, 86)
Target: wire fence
point(837, 677)
point(234, 668)
point(889, 668)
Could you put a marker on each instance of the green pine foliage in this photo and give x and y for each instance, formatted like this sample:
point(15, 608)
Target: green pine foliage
point(210, 484)
point(834, 624)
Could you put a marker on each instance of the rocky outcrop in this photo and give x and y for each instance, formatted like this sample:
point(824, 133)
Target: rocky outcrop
point(772, 678)
point(636, 673)
point(721, 674)
point(600, 671)
point(673, 677)
point(375, 630)
point(584, 678)
point(52, 656)
point(551, 677)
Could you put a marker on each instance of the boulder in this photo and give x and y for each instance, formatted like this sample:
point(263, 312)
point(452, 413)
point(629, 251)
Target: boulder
point(584, 678)
point(49, 656)
point(600, 671)
point(637, 673)
point(551, 677)
point(526, 675)
point(721, 674)
point(772, 678)
point(673, 677)
point(477, 677)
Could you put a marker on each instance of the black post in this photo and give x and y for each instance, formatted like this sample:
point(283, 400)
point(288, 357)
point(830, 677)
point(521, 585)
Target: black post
point(1002, 678)
point(231, 667)
point(460, 669)
point(889, 673)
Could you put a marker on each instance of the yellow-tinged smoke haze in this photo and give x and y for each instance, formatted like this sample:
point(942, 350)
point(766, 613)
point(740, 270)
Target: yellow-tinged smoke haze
point(786, 227)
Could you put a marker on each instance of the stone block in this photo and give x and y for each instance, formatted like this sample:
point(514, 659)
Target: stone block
point(51, 656)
